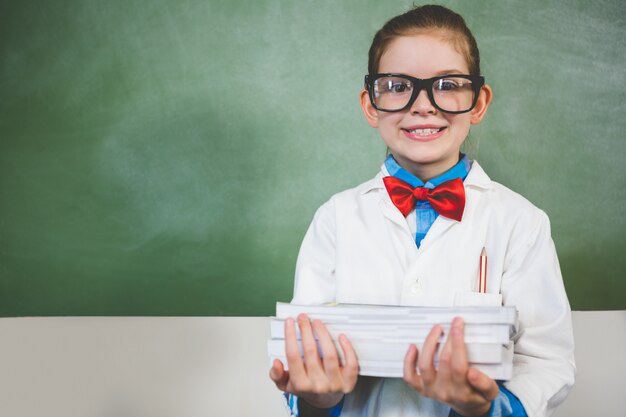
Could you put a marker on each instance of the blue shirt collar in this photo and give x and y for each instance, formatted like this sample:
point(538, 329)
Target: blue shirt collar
point(460, 170)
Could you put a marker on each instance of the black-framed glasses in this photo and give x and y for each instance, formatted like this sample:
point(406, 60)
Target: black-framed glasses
point(452, 93)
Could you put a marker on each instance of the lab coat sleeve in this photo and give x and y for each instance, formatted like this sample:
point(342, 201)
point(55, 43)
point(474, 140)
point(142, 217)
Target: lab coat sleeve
point(544, 368)
point(315, 268)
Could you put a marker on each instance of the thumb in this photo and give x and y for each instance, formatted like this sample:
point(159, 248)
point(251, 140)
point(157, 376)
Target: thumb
point(279, 375)
point(483, 384)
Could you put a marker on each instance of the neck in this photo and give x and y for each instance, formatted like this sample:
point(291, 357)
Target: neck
point(428, 171)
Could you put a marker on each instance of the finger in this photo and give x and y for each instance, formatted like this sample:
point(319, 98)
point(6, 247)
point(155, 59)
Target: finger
point(458, 361)
point(330, 357)
point(444, 361)
point(279, 375)
point(410, 371)
point(350, 370)
point(292, 352)
point(486, 386)
point(426, 358)
point(312, 360)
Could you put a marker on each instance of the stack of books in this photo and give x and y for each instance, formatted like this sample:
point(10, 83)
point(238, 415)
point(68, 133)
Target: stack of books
point(381, 335)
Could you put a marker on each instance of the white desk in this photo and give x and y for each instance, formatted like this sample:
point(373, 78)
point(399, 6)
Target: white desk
point(213, 366)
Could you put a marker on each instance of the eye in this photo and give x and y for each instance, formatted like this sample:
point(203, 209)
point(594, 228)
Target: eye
point(448, 84)
point(398, 86)
point(392, 86)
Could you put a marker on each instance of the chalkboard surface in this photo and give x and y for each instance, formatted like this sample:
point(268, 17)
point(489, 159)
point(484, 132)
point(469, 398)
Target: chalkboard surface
point(165, 158)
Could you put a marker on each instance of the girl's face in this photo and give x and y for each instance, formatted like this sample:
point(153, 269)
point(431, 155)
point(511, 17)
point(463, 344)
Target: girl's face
point(425, 141)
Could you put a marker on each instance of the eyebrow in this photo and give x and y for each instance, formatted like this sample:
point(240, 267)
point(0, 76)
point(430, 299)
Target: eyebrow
point(450, 71)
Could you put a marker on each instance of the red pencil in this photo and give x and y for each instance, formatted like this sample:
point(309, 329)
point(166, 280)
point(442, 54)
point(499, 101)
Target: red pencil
point(482, 277)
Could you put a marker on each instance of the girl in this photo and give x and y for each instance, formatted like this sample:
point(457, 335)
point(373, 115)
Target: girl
point(413, 235)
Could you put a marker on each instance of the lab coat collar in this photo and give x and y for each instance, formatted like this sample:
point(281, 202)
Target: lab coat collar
point(477, 178)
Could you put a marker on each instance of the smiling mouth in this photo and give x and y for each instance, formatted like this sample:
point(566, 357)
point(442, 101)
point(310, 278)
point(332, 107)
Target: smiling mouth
point(424, 132)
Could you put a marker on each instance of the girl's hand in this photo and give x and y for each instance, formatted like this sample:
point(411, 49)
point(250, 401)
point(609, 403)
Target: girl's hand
point(320, 382)
point(467, 390)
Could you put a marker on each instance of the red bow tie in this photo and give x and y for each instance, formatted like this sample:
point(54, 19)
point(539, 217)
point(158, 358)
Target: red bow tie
point(448, 198)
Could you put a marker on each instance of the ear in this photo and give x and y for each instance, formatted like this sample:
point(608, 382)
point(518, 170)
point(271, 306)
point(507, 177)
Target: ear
point(484, 99)
point(371, 114)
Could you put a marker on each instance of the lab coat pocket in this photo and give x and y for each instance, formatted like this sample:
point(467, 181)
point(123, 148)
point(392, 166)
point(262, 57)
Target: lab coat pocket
point(476, 299)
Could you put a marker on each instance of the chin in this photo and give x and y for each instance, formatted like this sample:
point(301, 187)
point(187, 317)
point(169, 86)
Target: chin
point(423, 157)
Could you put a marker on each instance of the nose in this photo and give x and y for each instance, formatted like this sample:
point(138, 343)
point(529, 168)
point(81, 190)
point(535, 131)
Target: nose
point(422, 104)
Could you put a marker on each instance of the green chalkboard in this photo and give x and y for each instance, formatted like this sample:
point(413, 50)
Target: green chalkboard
point(165, 158)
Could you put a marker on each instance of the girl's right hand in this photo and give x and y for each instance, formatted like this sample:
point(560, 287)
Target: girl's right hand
point(321, 382)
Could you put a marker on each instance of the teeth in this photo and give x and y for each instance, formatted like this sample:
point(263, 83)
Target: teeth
point(424, 132)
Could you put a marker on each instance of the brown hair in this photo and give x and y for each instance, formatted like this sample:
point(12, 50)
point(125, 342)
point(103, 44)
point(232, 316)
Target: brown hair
point(425, 19)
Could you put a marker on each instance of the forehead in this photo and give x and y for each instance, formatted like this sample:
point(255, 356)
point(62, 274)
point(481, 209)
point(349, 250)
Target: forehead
point(422, 56)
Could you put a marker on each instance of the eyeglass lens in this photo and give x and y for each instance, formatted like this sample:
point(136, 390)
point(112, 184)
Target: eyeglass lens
point(454, 94)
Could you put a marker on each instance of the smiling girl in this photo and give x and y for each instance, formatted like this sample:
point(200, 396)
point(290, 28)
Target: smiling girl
point(413, 235)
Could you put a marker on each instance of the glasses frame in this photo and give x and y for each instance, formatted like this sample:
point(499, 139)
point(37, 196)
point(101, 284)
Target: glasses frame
point(478, 81)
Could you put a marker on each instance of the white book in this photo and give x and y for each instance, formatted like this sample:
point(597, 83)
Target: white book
point(474, 333)
point(381, 335)
point(394, 369)
point(370, 350)
point(501, 372)
point(358, 313)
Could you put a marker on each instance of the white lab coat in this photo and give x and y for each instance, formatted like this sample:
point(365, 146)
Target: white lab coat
point(359, 249)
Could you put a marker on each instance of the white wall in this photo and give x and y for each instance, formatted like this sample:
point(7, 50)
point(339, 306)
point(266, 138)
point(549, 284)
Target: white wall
point(213, 366)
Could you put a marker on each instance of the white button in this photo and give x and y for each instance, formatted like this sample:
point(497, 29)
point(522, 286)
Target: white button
point(416, 288)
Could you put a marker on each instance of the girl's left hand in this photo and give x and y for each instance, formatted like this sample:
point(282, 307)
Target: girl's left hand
point(467, 390)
